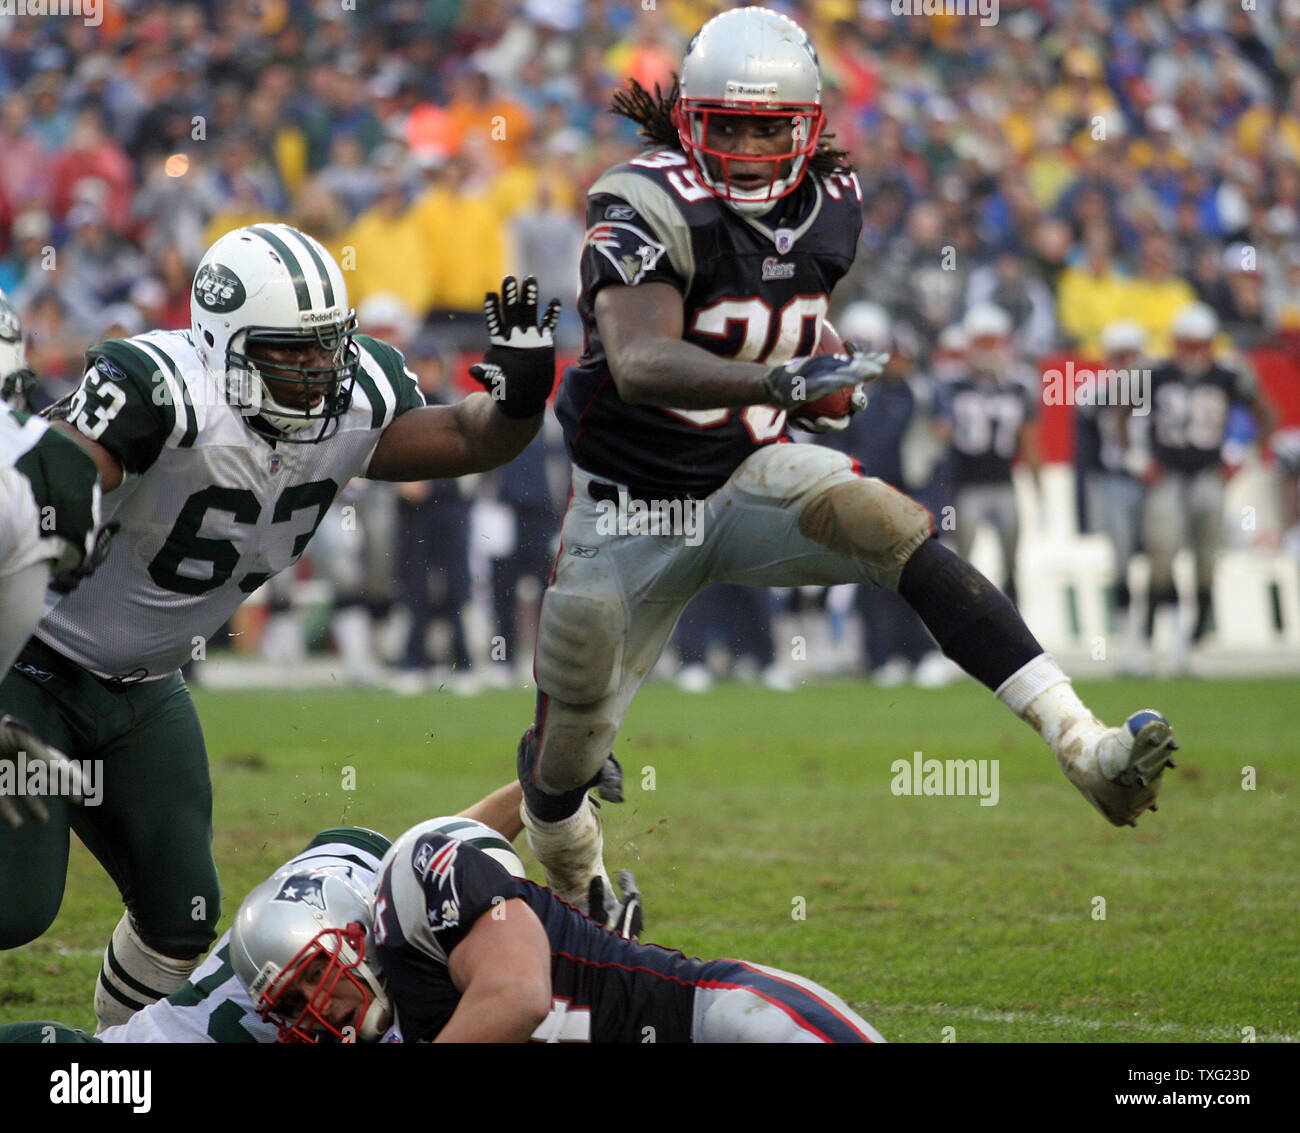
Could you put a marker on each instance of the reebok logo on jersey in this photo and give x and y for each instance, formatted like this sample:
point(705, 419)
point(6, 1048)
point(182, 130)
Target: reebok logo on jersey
point(111, 370)
point(632, 252)
point(301, 889)
point(620, 212)
point(777, 269)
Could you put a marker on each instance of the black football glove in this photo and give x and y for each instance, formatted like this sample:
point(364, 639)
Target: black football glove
point(518, 368)
point(16, 738)
point(801, 380)
point(16, 390)
point(604, 906)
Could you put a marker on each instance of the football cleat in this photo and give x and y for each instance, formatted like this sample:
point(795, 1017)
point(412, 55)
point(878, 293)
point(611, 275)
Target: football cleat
point(1118, 769)
point(623, 916)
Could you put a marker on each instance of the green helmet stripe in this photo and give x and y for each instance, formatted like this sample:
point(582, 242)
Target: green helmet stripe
point(290, 261)
point(320, 266)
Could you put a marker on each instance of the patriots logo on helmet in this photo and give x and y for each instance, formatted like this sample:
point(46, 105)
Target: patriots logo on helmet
point(632, 252)
point(302, 889)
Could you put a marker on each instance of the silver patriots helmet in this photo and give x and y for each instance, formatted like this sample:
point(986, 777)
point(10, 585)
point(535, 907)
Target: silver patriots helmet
point(297, 940)
point(750, 63)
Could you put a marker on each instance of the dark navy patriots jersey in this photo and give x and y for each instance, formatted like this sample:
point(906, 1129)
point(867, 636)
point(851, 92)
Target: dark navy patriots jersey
point(1189, 415)
point(604, 989)
point(986, 418)
point(754, 289)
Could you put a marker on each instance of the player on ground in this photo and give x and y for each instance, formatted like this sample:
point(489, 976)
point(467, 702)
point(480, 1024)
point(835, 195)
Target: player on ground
point(219, 449)
point(213, 1005)
point(446, 941)
point(449, 947)
point(706, 273)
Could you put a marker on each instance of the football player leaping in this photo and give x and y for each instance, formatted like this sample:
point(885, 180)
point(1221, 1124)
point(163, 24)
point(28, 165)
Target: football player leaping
point(706, 274)
point(219, 449)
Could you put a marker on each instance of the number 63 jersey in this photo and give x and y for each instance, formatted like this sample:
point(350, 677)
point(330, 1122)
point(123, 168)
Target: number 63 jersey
point(209, 507)
point(754, 289)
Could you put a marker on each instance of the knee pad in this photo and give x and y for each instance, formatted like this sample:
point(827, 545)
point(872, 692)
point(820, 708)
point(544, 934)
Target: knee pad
point(869, 520)
point(579, 646)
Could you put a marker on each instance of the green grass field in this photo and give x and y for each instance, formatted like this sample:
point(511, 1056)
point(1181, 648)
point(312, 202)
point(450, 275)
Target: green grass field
point(923, 912)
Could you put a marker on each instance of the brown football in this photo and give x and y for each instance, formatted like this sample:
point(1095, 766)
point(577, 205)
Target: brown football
point(839, 403)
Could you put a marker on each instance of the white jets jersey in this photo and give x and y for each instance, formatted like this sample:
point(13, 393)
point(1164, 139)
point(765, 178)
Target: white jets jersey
point(210, 508)
point(214, 1007)
point(49, 496)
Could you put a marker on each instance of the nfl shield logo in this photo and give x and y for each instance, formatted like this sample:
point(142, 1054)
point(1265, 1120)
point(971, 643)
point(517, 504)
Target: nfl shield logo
point(275, 463)
point(784, 238)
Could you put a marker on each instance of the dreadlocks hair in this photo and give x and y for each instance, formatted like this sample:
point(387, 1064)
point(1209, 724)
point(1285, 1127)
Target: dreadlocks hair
point(653, 114)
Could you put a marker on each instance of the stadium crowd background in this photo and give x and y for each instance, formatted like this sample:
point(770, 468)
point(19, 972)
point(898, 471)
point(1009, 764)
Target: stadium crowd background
point(1074, 164)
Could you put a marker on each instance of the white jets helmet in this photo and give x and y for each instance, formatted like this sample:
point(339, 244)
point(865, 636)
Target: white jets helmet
point(269, 290)
point(16, 377)
point(750, 63)
point(315, 924)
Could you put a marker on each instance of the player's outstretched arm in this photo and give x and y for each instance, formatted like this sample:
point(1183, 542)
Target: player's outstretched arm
point(503, 971)
point(443, 441)
point(500, 810)
point(485, 430)
point(641, 329)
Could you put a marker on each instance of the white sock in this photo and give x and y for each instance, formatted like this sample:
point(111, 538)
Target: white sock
point(133, 976)
point(572, 851)
point(1040, 693)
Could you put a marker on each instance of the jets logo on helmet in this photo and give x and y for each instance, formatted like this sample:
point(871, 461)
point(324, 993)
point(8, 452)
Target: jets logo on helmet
point(270, 318)
point(749, 65)
point(219, 289)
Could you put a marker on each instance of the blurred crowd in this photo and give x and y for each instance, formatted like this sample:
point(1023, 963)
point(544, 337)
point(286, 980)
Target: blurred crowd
point(1028, 185)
